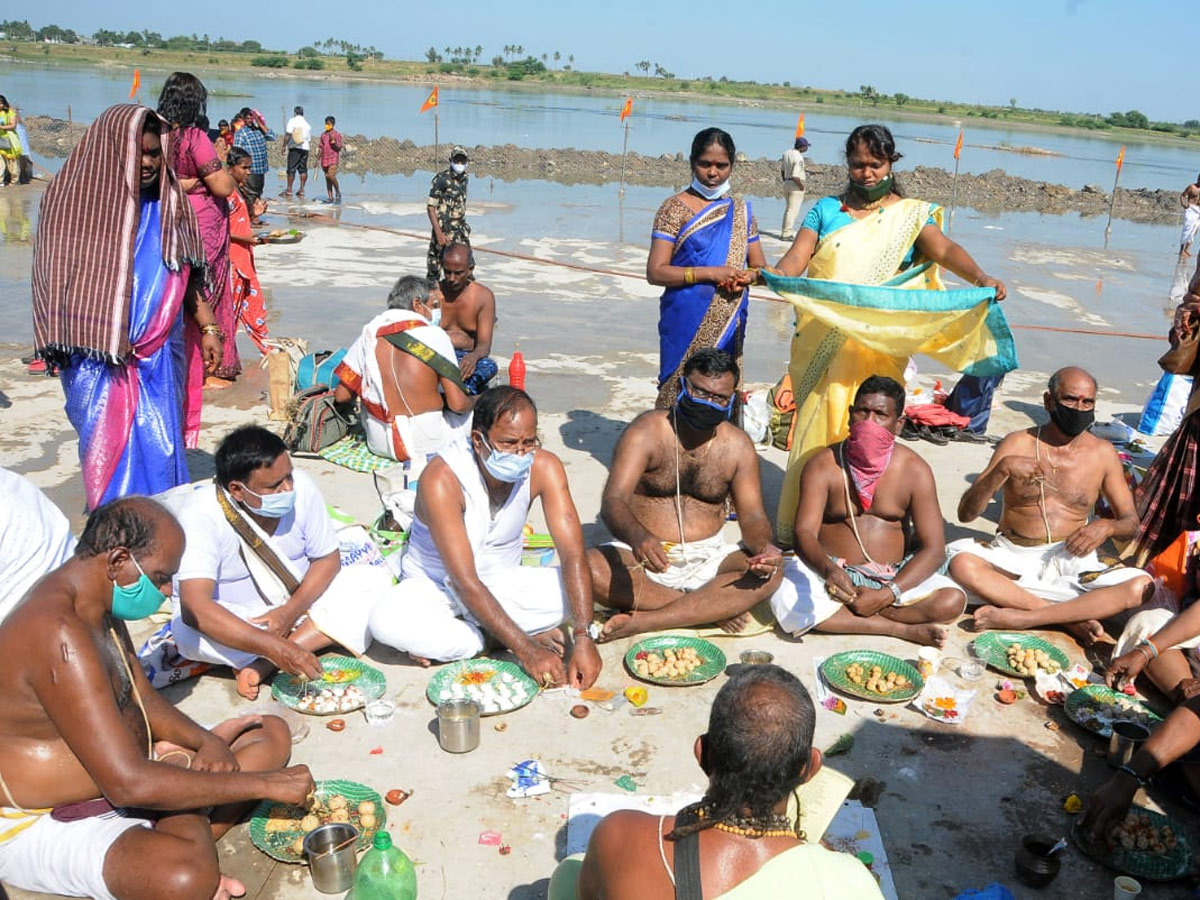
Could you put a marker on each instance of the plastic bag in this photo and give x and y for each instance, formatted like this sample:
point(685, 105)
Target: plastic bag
point(756, 417)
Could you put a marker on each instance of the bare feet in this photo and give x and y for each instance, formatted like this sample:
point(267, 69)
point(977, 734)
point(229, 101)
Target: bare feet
point(619, 626)
point(989, 617)
point(1087, 633)
point(553, 640)
point(229, 887)
point(213, 383)
point(420, 661)
point(927, 635)
point(249, 680)
point(736, 625)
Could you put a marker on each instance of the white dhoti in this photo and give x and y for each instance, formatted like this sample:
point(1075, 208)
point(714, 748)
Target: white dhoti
point(1048, 571)
point(1191, 224)
point(1148, 621)
point(801, 603)
point(426, 619)
point(691, 565)
point(342, 614)
point(63, 858)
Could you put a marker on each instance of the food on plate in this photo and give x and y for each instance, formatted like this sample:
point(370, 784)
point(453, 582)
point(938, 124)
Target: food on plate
point(309, 823)
point(1030, 661)
point(1097, 712)
point(297, 846)
point(673, 662)
point(367, 820)
point(341, 698)
point(494, 691)
point(340, 676)
point(1137, 832)
point(876, 680)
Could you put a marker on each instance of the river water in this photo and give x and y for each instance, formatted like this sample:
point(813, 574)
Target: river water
point(537, 118)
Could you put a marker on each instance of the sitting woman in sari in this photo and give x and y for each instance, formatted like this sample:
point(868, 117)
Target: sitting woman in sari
point(699, 250)
point(870, 235)
point(117, 246)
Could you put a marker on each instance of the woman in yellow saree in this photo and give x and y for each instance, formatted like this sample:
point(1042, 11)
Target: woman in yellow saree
point(873, 298)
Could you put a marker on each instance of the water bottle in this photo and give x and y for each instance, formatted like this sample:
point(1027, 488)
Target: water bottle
point(516, 370)
point(385, 873)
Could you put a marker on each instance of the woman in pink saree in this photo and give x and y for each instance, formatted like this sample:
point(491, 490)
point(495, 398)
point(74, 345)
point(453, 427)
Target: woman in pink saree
point(207, 184)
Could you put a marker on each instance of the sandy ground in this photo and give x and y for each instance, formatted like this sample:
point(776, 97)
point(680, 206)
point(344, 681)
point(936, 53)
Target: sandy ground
point(955, 801)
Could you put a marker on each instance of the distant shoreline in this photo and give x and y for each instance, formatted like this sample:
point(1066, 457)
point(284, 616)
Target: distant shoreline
point(162, 62)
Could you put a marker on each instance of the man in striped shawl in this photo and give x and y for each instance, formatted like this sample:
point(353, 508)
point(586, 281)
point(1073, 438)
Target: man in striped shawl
point(113, 266)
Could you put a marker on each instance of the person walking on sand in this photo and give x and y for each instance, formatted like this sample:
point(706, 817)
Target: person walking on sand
point(331, 153)
point(297, 139)
point(1190, 201)
point(791, 169)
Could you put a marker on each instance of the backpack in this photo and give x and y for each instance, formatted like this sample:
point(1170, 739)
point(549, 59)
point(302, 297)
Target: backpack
point(317, 368)
point(314, 422)
point(782, 404)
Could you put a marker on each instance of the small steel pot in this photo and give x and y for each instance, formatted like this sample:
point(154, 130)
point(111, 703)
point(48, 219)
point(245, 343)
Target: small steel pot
point(458, 725)
point(332, 857)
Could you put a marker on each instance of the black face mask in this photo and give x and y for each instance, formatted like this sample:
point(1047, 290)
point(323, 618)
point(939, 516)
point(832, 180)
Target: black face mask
point(698, 415)
point(1071, 422)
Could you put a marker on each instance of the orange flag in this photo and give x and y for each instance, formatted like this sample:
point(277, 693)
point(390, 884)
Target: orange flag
point(1121, 158)
point(626, 110)
point(800, 126)
point(430, 102)
point(958, 145)
point(137, 83)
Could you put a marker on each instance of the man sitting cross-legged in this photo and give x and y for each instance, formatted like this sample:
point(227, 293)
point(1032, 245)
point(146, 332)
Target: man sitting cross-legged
point(1042, 569)
point(462, 572)
point(106, 789)
point(857, 570)
point(672, 473)
point(261, 585)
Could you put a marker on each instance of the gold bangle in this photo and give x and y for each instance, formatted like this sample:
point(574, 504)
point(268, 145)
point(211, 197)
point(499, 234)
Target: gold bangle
point(689, 275)
point(212, 328)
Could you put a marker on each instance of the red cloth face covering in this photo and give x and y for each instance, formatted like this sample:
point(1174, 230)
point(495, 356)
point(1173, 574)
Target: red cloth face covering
point(868, 452)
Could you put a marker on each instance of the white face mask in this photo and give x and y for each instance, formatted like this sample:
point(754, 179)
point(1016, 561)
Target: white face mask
point(435, 316)
point(458, 168)
point(708, 193)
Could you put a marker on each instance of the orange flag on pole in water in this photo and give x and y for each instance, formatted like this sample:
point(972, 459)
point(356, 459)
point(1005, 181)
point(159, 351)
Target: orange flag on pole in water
point(137, 83)
point(800, 126)
point(958, 145)
point(430, 102)
point(1121, 158)
point(626, 110)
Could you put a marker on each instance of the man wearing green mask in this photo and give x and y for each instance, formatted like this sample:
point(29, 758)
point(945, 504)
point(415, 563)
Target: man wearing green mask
point(1042, 567)
point(84, 739)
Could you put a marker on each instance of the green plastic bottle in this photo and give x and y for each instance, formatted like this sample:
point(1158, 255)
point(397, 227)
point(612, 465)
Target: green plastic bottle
point(385, 873)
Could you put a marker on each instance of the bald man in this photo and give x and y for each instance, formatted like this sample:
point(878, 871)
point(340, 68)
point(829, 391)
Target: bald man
point(1042, 567)
point(87, 746)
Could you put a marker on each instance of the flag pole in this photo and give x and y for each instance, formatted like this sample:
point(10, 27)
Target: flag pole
point(436, 155)
point(953, 197)
point(1112, 202)
point(624, 150)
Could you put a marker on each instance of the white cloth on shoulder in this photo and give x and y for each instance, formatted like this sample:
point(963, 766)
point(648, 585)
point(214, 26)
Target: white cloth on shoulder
point(246, 586)
point(1048, 571)
point(425, 617)
point(801, 602)
point(692, 565)
point(64, 858)
point(35, 538)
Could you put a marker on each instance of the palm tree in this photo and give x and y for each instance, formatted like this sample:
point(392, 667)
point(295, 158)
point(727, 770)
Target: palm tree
point(557, 56)
point(571, 59)
point(519, 50)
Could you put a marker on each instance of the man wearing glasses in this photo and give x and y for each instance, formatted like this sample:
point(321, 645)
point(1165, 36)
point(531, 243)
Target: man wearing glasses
point(462, 572)
point(674, 471)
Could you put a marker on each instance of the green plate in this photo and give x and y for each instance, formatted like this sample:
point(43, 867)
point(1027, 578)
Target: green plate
point(713, 659)
point(834, 672)
point(1081, 706)
point(992, 648)
point(280, 844)
point(1139, 863)
point(469, 672)
point(288, 689)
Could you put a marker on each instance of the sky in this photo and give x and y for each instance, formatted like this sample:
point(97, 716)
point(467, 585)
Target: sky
point(1071, 55)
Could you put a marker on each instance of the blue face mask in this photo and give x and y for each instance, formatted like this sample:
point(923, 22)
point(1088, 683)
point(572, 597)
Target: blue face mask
point(507, 467)
point(274, 506)
point(710, 193)
point(435, 316)
point(139, 600)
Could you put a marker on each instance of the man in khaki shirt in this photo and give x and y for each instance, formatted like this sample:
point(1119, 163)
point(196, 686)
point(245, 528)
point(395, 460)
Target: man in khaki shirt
point(791, 168)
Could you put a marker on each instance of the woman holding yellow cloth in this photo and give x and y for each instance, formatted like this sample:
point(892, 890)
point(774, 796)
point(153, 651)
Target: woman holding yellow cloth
point(873, 298)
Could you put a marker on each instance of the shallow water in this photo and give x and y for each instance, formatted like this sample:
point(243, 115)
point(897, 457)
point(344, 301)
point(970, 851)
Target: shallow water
point(534, 118)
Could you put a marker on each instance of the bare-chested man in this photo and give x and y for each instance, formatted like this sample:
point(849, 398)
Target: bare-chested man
point(857, 572)
point(81, 728)
point(469, 317)
point(672, 473)
point(1190, 201)
point(1042, 568)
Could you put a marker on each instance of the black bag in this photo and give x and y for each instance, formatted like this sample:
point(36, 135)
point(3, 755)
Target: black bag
point(314, 421)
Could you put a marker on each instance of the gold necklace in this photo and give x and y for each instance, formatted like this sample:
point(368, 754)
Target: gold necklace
point(754, 832)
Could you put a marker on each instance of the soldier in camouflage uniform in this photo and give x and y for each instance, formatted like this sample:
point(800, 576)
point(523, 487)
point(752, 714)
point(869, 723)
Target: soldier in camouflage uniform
point(447, 209)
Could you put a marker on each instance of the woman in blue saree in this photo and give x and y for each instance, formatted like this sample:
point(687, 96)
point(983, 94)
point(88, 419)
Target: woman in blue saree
point(702, 242)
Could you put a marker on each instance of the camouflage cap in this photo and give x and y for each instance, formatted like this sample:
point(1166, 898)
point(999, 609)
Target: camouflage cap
point(458, 151)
